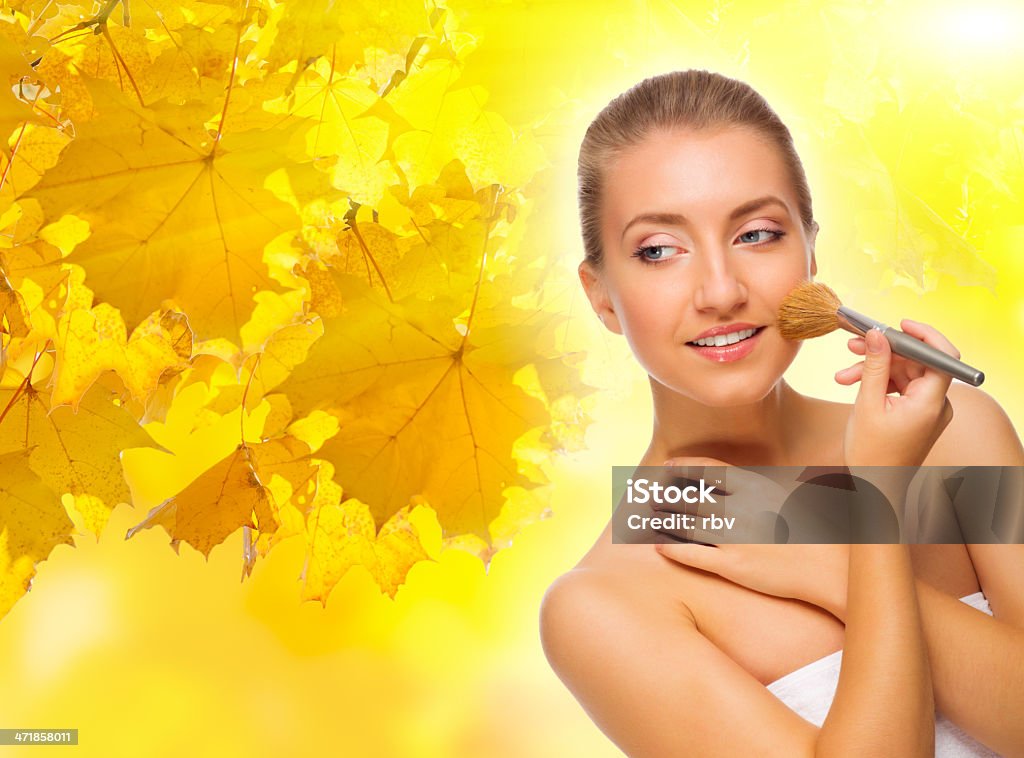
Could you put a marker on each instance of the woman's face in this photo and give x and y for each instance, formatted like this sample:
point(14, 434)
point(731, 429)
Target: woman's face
point(702, 238)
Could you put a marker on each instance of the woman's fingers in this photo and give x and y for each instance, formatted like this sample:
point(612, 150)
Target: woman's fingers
point(895, 431)
point(694, 460)
point(703, 557)
point(729, 527)
point(929, 335)
point(921, 331)
point(932, 384)
point(874, 374)
point(851, 375)
point(902, 371)
point(694, 468)
point(912, 369)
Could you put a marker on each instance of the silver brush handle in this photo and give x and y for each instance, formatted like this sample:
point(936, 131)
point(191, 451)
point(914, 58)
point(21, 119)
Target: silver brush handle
point(910, 347)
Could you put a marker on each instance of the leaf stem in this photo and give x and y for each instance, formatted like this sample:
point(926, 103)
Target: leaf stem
point(368, 254)
point(231, 81)
point(98, 24)
point(21, 387)
point(34, 26)
point(483, 264)
point(100, 19)
point(120, 62)
point(245, 397)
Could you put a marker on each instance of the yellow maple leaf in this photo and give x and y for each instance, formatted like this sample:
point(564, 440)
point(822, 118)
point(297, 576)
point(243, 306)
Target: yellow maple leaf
point(341, 535)
point(431, 240)
point(347, 141)
point(13, 111)
point(450, 122)
point(223, 498)
point(73, 452)
point(238, 491)
point(260, 372)
point(32, 289)
point(195, 159)
point(293, 512)
point(424, 410)
point(32, 523)
point(350, 34)
point(14, 319)
point(93, 341)
point(175, 213)
point(36, 150)
point(285, 468)
point(306, 29)
point(196, 62)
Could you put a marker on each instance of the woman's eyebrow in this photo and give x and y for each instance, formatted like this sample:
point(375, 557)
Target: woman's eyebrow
point(678, 219)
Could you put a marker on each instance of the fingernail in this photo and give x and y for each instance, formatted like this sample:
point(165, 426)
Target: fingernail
point(669, 462)
point(874, 338)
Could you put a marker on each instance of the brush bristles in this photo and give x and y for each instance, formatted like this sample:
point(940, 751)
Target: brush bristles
point(808, 311)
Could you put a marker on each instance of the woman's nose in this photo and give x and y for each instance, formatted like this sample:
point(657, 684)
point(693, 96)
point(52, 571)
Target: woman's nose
point(719, 288)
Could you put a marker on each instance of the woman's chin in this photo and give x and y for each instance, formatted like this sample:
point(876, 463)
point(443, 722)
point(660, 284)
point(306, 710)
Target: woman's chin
point(725, 392)
point(724, 398)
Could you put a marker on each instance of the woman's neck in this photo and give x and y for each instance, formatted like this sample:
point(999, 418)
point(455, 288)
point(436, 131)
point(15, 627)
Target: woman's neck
point(745, 435)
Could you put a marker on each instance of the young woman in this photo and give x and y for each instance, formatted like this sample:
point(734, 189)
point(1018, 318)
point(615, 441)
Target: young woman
point(697, 221)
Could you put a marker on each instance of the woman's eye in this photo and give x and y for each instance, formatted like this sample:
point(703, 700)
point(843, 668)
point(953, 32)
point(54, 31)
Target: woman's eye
point(658, 253)
point(655, 253)
point(774, 235)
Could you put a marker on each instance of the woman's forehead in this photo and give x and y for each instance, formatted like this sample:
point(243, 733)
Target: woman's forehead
point(702, 176)
point(736, 137)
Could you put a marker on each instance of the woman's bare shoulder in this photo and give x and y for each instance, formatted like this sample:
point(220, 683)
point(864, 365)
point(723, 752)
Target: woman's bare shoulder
point(633, 579)
point(636, 664)
point(980, 434)
point(636, 573)
point(597, 601)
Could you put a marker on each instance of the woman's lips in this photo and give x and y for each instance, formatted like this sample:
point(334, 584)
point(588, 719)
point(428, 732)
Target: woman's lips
point(728, 353)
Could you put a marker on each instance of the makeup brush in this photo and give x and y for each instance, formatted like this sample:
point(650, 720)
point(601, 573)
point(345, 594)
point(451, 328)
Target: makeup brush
point(813, 309)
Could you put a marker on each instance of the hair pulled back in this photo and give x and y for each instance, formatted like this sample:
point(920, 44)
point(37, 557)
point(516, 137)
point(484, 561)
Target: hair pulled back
point(695, 100)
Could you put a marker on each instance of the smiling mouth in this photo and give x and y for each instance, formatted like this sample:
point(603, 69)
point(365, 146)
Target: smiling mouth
point(724, 340)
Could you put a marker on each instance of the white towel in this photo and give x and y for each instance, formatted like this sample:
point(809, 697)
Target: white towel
point(809, 691)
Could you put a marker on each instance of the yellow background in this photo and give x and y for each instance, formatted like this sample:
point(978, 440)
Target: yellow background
point(146, 652)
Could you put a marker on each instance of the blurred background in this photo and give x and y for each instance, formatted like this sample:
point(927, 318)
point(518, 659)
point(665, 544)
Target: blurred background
point(910, 119)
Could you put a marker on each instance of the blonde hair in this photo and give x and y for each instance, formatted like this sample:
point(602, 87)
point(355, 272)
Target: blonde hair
point(692, 99)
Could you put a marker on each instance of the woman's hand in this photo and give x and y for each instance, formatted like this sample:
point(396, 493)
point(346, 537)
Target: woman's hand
point(895, 431)
point(746, 505)
point(814, 573)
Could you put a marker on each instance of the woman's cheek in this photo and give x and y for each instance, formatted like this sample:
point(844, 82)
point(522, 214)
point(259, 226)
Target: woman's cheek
point(655, 343)
point(651, 318)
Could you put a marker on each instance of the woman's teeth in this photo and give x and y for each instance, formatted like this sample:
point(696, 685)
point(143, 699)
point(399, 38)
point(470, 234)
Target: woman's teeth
point(720, 340)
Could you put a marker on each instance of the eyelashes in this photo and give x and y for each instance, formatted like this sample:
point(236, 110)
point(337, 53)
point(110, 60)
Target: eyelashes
point(641, 252)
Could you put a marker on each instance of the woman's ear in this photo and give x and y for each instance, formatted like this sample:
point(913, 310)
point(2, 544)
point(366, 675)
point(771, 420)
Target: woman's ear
point(597, 294)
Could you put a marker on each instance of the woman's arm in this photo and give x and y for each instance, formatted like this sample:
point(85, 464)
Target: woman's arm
point(652, 682)
point(977, 661)
point(656, 686)
point(883, 703)
point(977, 665)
